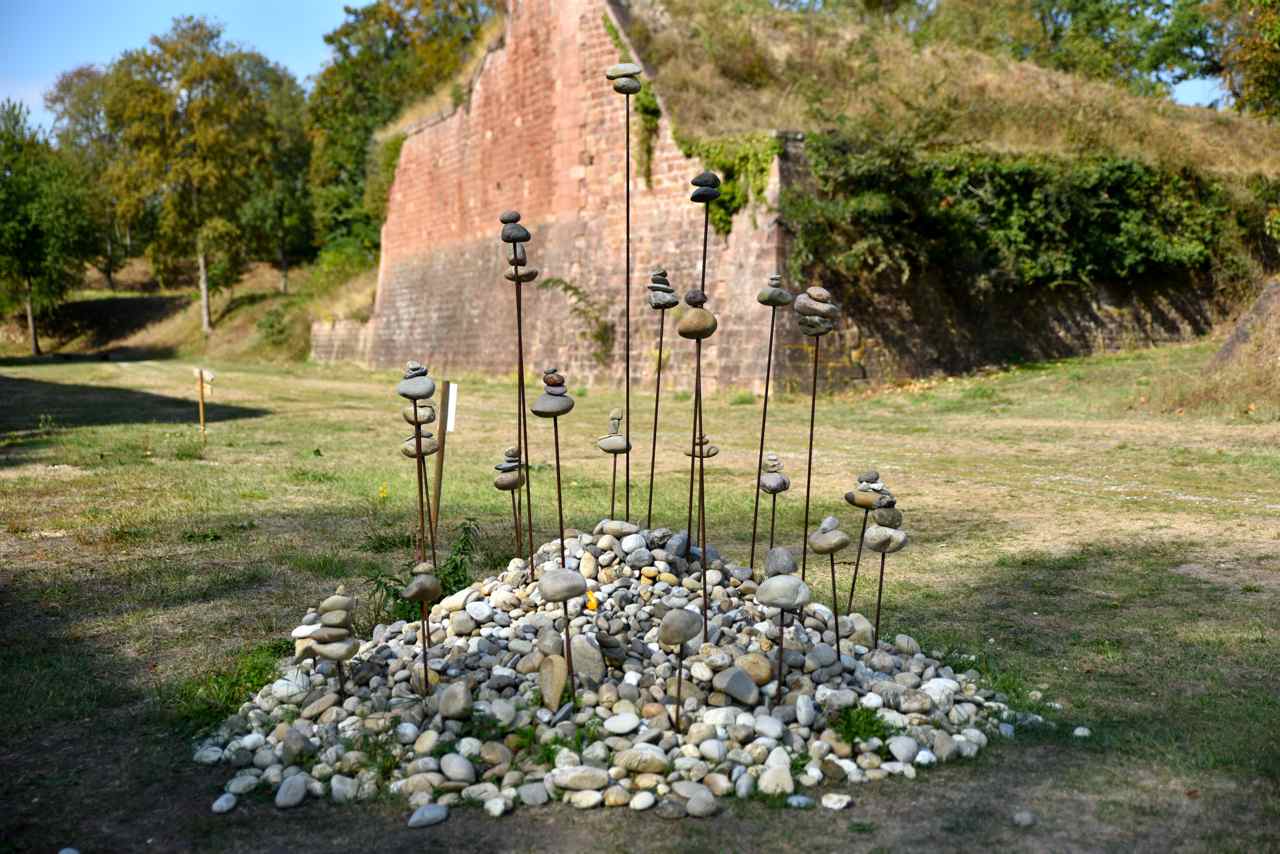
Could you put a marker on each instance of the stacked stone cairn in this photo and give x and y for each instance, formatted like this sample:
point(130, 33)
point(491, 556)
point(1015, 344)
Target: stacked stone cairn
point(325, 632)
point(773, 483)
point(816, 311)
point(305, 735)
point(661, 295)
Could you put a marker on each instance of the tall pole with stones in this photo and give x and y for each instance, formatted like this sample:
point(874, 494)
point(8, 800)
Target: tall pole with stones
point(625, 82)
point(817, 317)
point(661, 298)
point(516, 235)
point(774, 297)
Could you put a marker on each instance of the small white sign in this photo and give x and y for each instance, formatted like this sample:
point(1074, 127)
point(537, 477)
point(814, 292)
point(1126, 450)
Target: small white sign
point(208, 374)
point(453, 405)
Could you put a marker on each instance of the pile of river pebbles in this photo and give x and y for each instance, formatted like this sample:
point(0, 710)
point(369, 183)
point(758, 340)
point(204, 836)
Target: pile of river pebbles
point(499, 728)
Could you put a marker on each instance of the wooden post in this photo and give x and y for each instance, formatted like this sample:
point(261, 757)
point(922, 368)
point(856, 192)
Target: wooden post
point(445, 394)
point(200, 386)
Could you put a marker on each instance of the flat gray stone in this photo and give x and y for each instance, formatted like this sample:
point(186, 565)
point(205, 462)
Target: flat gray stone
point(738, 684)
point(428, 814)
point(560, 585)
point(783, 591)
point(292, 791)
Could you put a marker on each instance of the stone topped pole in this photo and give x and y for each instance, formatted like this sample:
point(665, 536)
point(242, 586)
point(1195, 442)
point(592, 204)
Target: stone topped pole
point(871, 495)
point(828, 540)
point(516, 235)
point(679, 626)
point(625, 82)
point(775, 297)
point(698, 324)
point(509, 479)
point(554, 402)
point(417, 388)
point(817, 317)
point(613, 444)
point(661, 298)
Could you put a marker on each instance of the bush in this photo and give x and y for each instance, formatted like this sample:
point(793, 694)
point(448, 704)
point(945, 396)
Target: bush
point(886, 203)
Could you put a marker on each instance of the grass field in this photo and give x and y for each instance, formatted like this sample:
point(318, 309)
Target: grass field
point(1123, 562)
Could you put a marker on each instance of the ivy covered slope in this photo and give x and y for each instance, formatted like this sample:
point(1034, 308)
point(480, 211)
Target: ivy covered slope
point(930, 160)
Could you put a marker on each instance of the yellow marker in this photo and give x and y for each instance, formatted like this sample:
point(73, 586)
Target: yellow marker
point(591, 601)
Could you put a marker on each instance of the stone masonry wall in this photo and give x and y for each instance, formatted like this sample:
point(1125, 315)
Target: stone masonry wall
point(543, 132)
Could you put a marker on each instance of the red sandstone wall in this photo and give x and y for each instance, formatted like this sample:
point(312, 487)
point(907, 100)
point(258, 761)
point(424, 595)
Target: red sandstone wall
point(543, 133)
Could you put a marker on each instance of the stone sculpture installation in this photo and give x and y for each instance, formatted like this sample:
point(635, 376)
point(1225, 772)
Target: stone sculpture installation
point(509, 479)
point(417, 387)
point(552, 403)
point(614, 443)
point(662, 298)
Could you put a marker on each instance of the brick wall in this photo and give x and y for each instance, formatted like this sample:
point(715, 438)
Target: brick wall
point(543, 132)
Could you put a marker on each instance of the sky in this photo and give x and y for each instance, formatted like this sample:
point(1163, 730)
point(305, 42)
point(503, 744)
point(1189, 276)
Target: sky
point(39, 40)
point(34, 50)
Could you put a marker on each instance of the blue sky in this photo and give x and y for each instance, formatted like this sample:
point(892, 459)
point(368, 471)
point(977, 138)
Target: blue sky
point(39, 40)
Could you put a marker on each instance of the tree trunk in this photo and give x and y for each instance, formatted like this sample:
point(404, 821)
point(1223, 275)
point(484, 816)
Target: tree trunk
point(111, 263)
point(31, 324)
point(284, 270)
point(206, 324)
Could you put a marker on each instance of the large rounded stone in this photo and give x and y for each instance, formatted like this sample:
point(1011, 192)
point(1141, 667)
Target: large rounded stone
point(416, 388)
point(553, 675)
point(783, 591)
point(738, 684)
point(679, 626)
point(560, 585)
point(579, 778)
point(643, 759)
point(552, 405)
point(697, 323)
point(423, 588)
point(455, 701)
point(885, 540)
point(828, 542)
point(779, 561)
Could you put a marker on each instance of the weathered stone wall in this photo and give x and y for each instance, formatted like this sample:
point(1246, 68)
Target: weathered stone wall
point(543, 132)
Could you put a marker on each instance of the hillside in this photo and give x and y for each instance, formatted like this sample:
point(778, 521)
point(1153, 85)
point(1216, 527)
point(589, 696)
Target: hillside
point(722, 69)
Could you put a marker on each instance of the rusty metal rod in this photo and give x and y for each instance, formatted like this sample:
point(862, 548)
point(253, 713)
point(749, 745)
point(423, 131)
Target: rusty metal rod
point(782, 631)
point(848, 608)
point(431, 533)
point(626, 501)
point(515, 516)
point(613, 487)
point(555, 429)
point(773, 517)
point(523, 424)
point(426, 679)
point(421, 551)
point(679, 684)
point(657, 398)
point(764, 420)
point(835, 603)
point(808, 475)
point(568, 653)
point(875, 637)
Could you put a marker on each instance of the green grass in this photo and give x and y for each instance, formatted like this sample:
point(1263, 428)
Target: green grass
point(203, 702)
point(1052, 515)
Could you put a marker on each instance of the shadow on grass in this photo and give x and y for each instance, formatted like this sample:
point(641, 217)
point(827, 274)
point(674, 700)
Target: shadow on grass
point(1155, 663)
point(34, 409)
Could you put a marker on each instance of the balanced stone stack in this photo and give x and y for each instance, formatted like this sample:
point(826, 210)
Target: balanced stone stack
point(554, 400)
point(516, 236)
point(885, 535)
point(325, 631)
point(417, 388)
point(661, 295)
point(705, 450)
point(509, 476)
point(697, 323)
point(828, 539)
point(625, 77)
point(614, 442)
point(816, 311)
point(489, 642)
point(773, 294)
point(773, 481)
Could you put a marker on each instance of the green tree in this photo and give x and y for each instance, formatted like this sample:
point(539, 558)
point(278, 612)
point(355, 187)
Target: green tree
point(192, 127)
point(1248, 36)
point(385, 55)
point(78, 103)
point(276, 218)
point(45, 231)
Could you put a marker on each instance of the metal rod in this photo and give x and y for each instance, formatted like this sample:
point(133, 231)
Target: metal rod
point(773, 517)
point(555, 428)
point(200, 382)
point(613, 488)
point(417, 467)
point(431, 533)
point(764, 420)
point(568, 651)
point(835, 603)
point(702, 498)
point(679, 684)
point(626, 501)
point(523, 424)
point(808, 475)
point(426, 679)
point(875, 636)
point(341, 680)
point(848, 608)
point(693, 461)
point(445, 396)
point(782, 630)
point(515, 516)
point(657, 398)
